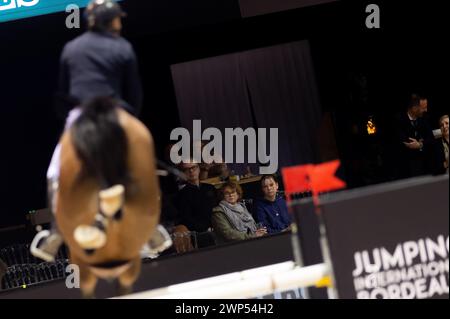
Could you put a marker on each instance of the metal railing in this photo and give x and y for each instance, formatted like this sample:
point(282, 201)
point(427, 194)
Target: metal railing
point(23, 269)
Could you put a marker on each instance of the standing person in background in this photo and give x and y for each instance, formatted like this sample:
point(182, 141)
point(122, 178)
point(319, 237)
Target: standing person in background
point(414, 139)
point(100, 62)
point(442, 161)
point(272, 210)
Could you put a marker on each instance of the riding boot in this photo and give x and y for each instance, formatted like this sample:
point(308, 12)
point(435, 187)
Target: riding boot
point(159, 242)
point(46, 244)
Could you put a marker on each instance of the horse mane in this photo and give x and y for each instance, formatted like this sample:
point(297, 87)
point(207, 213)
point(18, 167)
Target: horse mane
point(101, 143)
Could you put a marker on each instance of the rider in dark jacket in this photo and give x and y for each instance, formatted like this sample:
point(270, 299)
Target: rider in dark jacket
point(100, 62)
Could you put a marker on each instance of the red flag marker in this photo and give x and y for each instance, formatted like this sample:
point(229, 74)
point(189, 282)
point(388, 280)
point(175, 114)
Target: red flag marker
point(322, 177)
point(296, 178)
point(316, 178)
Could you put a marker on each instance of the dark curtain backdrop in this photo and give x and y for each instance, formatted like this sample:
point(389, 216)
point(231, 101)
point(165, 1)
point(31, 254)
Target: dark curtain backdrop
point(272, 87)
point(283, 92)
point(212, 90)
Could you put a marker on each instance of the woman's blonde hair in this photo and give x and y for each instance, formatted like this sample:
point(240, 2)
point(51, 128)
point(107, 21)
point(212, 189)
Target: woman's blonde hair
point(234, 186)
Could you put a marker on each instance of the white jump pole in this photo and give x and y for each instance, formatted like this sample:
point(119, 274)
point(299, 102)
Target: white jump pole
point(241, 285)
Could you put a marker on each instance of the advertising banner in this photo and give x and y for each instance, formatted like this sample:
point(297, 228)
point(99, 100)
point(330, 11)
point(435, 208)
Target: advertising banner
point(390, 241)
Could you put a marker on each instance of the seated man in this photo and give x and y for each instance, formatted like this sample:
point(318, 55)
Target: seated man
point(195, 203)
point(271, 211)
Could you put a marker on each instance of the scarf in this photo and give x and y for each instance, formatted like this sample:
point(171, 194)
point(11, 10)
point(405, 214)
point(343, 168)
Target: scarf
point(239, 216)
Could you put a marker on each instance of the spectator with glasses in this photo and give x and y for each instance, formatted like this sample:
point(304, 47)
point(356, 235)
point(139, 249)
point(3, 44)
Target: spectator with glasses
point(195, 202)
point(231, 220)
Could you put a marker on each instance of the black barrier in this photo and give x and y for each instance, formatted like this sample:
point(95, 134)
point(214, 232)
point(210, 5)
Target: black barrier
point(390, 240)
point(176, 269)
point(365, 223)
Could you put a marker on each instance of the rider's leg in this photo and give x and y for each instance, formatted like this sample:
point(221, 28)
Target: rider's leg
point(46, 243)
point(159, 242)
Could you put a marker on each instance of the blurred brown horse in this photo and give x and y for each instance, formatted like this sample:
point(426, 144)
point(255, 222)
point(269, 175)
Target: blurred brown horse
point(107, 203)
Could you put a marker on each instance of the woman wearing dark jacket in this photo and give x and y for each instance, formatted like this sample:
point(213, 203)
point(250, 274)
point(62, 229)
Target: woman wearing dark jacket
point(231, 220)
